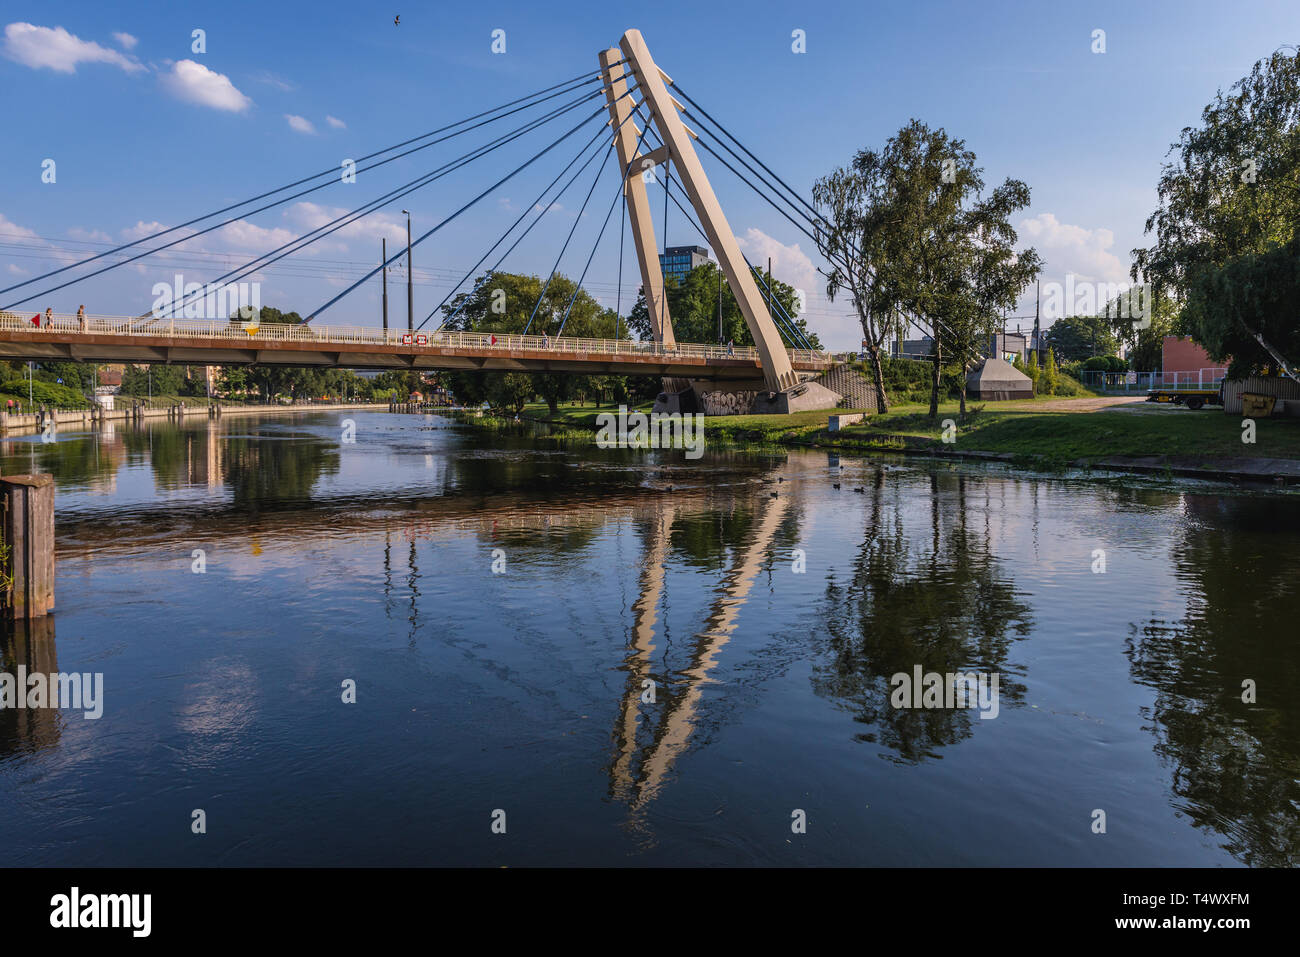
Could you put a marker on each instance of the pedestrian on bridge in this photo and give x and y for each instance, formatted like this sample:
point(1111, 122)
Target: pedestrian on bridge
point(49, 316)
point(546, 341)
point(731, 347)
point(81, 317)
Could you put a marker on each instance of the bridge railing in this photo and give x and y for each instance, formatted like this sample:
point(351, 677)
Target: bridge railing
point(224, 329)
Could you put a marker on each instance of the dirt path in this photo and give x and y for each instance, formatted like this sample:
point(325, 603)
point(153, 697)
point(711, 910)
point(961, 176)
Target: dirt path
point(1088, 404)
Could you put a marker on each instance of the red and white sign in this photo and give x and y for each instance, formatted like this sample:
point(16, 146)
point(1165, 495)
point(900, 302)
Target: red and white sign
point(407, 338)
point(422, 340)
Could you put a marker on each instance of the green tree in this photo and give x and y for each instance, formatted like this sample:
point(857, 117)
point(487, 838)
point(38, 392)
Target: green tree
point(855, 204)
point(79, 376)
point(1078, 337)
point(911, 231)
point(1143, 336)
point(1051, 374)
point(994, 273)
point(507, 304)
point(1229, 205)
point(694, 302)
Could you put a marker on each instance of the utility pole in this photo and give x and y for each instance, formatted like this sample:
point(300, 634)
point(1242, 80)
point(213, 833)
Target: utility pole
point(668, 178)
point(1038, 342)
point(410, 279)
point(719, 305)
point(383, 262)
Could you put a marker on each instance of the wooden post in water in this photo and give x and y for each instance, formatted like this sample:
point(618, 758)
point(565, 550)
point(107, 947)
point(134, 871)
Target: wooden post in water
point(28, 529)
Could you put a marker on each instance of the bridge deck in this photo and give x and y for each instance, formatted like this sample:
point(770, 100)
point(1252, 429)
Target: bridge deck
point(221, 342)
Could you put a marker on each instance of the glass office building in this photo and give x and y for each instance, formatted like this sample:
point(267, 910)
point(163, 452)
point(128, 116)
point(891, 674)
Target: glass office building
point(678, 261)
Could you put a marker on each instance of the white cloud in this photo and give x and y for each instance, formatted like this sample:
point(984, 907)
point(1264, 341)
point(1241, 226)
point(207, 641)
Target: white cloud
point(11, 230)
point(240, 234)
point(309, 216)
point(273, 79)
point(335, 122)
point(16, 269)
point(195, 83)
point(299, 124)
point(790, 264)
point(141, 230)
point(245, 235)
point(1073, 249)
point(125, 40)
point(89, 235)
point(57, 49)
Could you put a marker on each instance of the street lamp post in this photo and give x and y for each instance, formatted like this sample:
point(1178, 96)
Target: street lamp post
point(410, 278)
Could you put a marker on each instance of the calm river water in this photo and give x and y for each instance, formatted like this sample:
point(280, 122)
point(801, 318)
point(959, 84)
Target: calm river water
point(631, 658)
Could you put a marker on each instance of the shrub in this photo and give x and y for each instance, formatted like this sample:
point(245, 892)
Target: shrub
point(45, 393)
point(908, 380)
point(1105, 364)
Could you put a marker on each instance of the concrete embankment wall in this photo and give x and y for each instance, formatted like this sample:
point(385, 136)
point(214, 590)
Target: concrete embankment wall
point(27, 422)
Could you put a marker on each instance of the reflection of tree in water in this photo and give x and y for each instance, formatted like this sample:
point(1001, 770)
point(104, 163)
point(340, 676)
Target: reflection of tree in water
point(264, 472)
point(260, 470)
point(941, 603)
point(84, 460)
point(1236, 766)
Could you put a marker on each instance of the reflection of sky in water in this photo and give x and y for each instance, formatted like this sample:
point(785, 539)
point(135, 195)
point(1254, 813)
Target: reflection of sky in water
point(521, 690)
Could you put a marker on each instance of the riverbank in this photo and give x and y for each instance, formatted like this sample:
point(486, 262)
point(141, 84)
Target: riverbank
point(25, 423)
point(1050, 434)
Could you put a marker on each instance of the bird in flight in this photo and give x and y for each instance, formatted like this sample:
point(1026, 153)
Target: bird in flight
point(397, 19)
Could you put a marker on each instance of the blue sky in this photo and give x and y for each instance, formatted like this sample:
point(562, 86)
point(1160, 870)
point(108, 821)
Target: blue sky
point(143, 130)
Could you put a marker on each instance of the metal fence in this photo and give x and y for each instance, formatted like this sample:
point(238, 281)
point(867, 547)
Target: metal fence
point(1122, 383)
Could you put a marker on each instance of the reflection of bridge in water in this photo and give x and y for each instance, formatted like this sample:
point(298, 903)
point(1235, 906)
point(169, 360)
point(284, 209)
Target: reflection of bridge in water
point(648, 737)
point(640, 769)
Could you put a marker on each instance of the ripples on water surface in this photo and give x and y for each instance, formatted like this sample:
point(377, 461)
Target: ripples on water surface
point(523, 690)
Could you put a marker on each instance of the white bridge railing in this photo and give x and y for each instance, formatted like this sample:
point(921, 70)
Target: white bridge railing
point(148, 327)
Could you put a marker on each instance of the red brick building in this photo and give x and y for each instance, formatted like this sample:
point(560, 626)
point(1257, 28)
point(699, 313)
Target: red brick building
point(1183, 360)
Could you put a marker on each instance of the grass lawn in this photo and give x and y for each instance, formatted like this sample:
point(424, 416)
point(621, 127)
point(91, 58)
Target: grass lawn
point(1062, 436)
point(1053, 430)
point(580, 417)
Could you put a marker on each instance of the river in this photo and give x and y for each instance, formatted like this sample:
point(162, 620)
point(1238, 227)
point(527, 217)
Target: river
point(628, 657)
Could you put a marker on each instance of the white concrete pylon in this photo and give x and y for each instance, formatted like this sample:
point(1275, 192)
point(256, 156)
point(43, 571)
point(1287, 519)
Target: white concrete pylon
point(777, 371)
point(638, 203)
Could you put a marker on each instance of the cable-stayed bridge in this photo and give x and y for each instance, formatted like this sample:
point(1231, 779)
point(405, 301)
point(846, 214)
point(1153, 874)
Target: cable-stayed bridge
point(629, 119)
point(221, 342)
